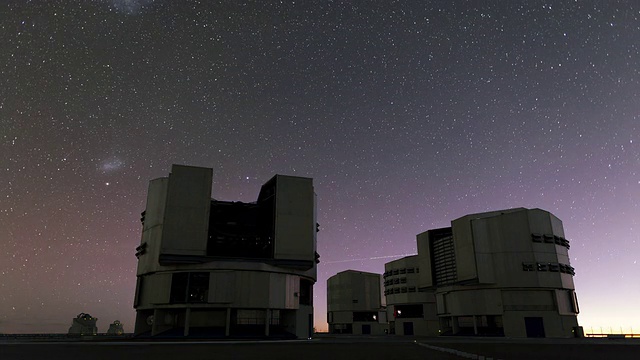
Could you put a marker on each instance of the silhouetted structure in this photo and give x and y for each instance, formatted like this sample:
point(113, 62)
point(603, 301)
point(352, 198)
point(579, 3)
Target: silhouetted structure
point(501, 273)
point(83, 324)
point(226, 268)
point(116, 328)
point(354, 303)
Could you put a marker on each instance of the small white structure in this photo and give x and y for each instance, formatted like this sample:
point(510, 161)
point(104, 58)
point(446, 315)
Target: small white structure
point(354, 303)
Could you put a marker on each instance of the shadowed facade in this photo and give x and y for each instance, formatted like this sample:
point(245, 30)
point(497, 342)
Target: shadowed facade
point(500, 273)
point(354, 304)
point(227, 269)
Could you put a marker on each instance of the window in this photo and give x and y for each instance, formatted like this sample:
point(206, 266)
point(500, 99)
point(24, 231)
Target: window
point(364, 316)
point(275, 317)
point(411, 289)
point(409, 311)
point(198, 290)
point(554, 267)
point(243, 230)
point(403, 280)
point(189, 287)
point(403, 271)
point(528, 267)
point(395, 272)
point(306, 292)
point(251, 317)
point(179, 283)
point(536, 237)
point(403, 289)
point(411, 270)
point(543, 266)
point(465, 321)
point(548, 238)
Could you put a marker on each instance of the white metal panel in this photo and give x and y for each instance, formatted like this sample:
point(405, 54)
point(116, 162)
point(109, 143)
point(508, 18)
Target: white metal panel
point(295, 223)
point(157, 288)
point(222, 286)
point(278, 291)
point(186, 222)
point(292, 296)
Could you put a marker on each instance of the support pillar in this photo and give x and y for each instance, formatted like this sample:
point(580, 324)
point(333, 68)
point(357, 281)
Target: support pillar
point(187, 317)
point(154, 325)
point(266, 322)
point(475, 325)
point(454, 325)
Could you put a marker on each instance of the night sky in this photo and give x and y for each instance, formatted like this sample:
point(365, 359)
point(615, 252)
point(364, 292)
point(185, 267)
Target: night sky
point(406, 115)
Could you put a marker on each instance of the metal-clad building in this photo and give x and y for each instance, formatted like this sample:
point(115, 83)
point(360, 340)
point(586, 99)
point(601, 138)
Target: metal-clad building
point(500, 273)
point(354, 303)
point(226, 268)
point(410, 309)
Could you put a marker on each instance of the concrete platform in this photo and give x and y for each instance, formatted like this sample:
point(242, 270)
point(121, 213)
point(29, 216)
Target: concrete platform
point(551, 349)
point(327, 347)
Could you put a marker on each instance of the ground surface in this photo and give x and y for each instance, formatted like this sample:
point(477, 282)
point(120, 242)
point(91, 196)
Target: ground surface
point(326, 348)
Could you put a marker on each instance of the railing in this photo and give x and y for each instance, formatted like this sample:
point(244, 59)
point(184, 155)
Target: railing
point(614, 336)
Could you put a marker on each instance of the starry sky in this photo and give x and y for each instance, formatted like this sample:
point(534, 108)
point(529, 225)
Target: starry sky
point(407, 114)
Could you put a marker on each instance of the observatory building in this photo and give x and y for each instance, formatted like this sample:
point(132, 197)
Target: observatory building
point(225, 268)
point(116, 328)
point(354, 303)
point(500, 273)
point(413, 309)
point(83, 324)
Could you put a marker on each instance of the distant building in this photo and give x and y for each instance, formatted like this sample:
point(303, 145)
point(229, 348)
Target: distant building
point(116, 328)
point(83, 324)
point(221, 268)
point(354, 303)
point(411, 310)
point(500, 273)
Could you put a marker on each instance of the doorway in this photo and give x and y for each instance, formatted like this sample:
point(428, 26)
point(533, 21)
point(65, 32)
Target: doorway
point(408, 328)
point(534, 327)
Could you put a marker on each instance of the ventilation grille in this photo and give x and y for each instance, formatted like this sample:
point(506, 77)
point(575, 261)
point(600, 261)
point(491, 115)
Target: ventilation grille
point(444, 261)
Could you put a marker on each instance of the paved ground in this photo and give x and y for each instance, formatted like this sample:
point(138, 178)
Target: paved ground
point(328, 348)
point(548, 349)
point(300, 350)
